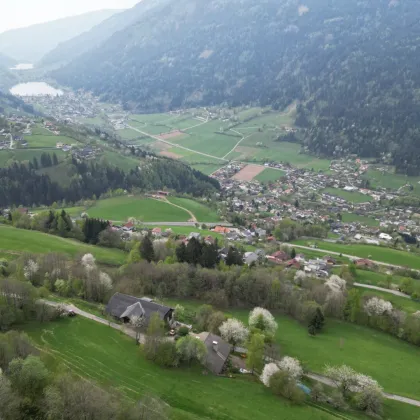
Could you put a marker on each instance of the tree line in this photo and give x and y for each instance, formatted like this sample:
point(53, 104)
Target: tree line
point(22, 184)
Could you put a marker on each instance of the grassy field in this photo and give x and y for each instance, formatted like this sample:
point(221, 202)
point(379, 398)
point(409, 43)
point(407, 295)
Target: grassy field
point(364, 349)
point(26, 154)
point(100, 353)
point(269, 175)
point(146, 210)
point(186, 230)
point(404, 304)
point(353, 197)
point(14, 240)
point(48, 140)
point(200, 211)
point(377, 253)
point(392, 181)
point(363, 220)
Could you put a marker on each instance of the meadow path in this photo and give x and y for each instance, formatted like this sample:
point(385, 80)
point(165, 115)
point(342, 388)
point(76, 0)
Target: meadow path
point(382, 289)
point(192, 215)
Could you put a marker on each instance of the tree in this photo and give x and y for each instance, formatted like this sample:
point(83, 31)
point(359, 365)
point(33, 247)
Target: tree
point(154, 334)
point(190, 348)
point(234, 332)
point(269, 370)
point(370, 400)
point(202, 317)
point(216, 319)
point(9, 402)
point(293, 253)
point(166, 354)
point(134, 256)
point(146, 249)
point(181, 253)
point(255, 354)
point(138, 323)
point(28, 377)
point(282, 384)
point(194, 249)
point(263, 320)
point(317, 322)
point(291, 366)
point(234, 257)
point(343, 376)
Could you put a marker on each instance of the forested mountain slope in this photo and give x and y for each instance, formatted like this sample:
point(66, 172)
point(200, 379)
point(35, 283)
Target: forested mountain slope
point(352, 65)
point(72, 48)
point(6, 61)
point(31, 43)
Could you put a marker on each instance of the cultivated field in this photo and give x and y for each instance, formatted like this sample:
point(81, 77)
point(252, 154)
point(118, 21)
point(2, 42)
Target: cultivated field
point(248, 173)
point(17, 241)
point(100, 353)
point(144, 209)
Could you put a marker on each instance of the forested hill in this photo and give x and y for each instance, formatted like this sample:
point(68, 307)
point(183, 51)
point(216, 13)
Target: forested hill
point(352, 65)
point(11, 104)
point(74, 47)
point(27, 185)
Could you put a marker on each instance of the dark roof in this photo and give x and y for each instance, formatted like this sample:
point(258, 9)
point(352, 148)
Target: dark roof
point(127, 306)
point(215, 359)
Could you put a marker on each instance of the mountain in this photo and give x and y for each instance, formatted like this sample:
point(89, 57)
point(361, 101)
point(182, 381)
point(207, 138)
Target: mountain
point(31, 43)
point(6, 61)
point(68, 50)
point(352, 67)
point(13, 104)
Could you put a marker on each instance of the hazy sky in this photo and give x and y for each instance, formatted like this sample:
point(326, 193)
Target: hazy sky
point(19, 13)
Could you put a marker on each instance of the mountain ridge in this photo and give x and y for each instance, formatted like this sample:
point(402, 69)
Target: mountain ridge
point(46, 36)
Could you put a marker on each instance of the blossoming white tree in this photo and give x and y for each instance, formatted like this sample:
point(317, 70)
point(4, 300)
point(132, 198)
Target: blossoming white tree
point(30, 269)
point(88, 261)
point(262, 319)
point(105, 281)
point(291, 366)
point(300, 276)
point(376, 306)
point(336, 284)
point(233, 331)
point(269, 370)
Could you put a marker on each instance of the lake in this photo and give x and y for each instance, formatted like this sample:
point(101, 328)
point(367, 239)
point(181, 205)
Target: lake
point(35, 89)
point(22, 66)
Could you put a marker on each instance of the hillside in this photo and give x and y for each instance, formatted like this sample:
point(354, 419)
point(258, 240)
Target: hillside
point(6, 61)
point(72, 48)
point(353, 69)
point(46, 36)
point(10, 103)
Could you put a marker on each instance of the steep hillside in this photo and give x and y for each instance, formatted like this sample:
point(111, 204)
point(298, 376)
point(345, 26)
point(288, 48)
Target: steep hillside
point(353, 67)
point(69, 50)
point(11, 104)
point(31, 43)
point(6, 61)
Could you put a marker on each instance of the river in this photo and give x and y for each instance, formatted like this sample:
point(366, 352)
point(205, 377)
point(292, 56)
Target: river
point(35, 89)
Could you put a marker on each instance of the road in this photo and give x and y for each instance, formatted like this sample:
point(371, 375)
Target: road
point(193, 219)
point(186, 224)
point(382, 289)
point(327, 381)
point(239, 142)
point(176, 145)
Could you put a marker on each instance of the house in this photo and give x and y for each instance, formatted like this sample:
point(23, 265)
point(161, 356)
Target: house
point(218, 351)
point(385, 236)
point(293, 264)
point(128, 226)
point(280, 255)
point(195, 235)
point(157, 231)
point(250, 257)
point(363, 262)
point(125, 307)
point(221, 229)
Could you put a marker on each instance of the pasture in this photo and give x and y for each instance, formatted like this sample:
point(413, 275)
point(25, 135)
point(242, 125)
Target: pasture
point(200, 211)
point(22, 155)
point(17, 241)
point(374, 252)
point(143, 209)
point(270, 175)
point(363, 220)
point(392, 180)
point(99, 353)
point(350, 196)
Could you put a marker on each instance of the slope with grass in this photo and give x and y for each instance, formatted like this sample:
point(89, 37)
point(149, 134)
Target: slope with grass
point(363, 220)
point(350, 196)
point(269, 175)
point(200, 211)
point(99, 353)
point(144, 209)
point(389, 360)
point(373, 252)
point(16, 241)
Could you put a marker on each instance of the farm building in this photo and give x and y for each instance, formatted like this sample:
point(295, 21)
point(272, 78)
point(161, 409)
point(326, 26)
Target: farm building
point(124, 307)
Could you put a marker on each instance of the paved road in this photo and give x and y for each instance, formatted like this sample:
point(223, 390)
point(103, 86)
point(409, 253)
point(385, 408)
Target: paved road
point(382, 289)
point(186, 224)
point(327, 381)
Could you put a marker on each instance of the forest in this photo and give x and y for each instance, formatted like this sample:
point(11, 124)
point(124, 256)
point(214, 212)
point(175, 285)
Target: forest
point(22, 184)
point(351, 67)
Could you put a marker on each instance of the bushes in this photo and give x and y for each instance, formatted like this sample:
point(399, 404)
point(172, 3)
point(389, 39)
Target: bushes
point(282, 384)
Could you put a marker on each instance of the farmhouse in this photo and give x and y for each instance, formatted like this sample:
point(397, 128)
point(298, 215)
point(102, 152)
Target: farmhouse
point(218, 351)
point(124, 307)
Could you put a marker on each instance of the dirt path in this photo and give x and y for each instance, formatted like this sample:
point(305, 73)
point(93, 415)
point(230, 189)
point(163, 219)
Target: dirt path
point(382, 289)
point(193, 219)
